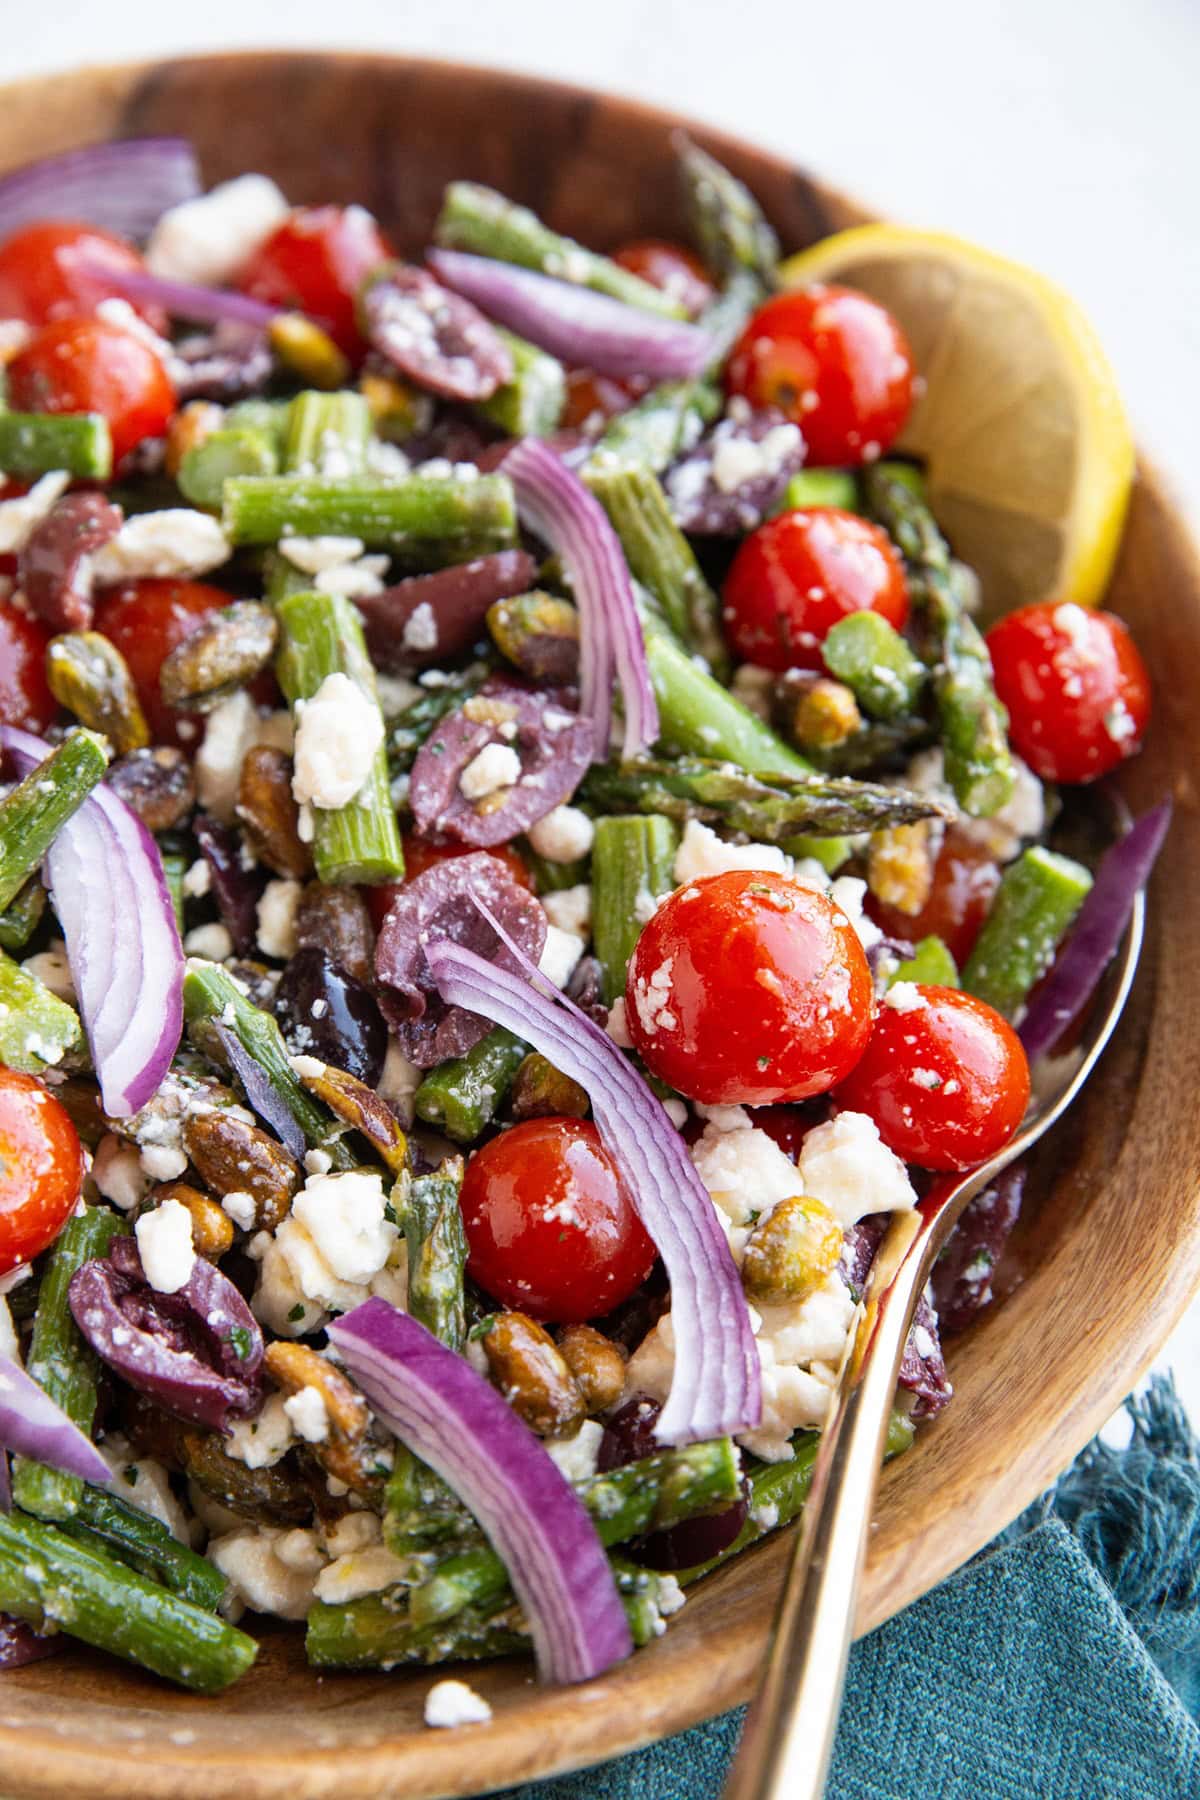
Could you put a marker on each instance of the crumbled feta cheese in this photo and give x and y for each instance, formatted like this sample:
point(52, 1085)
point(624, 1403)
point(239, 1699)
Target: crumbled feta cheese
point(308, 1414)
point(20, 518)
point(737, 461)
point(312, 556)
point(197, 879)
point(230, 732)
point(570, 909)
point(744, 1170)
point(52, 969)
point(701, 852)
point(164, 1241)
point(144, 1483)
point(300, 1549)
point(617, 1026)
point(176, 541)
point(450, 1703)
point(905, 997)
point(652, 999)
point(848, 892)
point(395, 694)
point(352, 1532)
point(117, 1172)
point(420, 630)
point(360, 1572)
point(263, 1441)
point(354, 580)
point(577, 1456)
point(560, 953)
point(846, 1164)
point(261, 1578)
point(400, 1079)
point(343, 1215)
point(496, 766)
point(239, 1206)
point(338, 732)
point(280, 1302)
point(212, 942)
point(277, 918)
point(207, 240)
point(677, 1112)
point(563, 836)
point(163, 1162)
point(8, 1333)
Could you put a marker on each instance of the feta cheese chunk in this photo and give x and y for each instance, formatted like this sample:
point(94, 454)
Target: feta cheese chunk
point(145, 1484)
point(20, 518)
point(207, 240)
point(560, 953)
point(846, 1165)
point(338, 732)
point(239, 1206)
point(231, 730)
point(212, 942)
point(570, 909)
point(117, 1172)
point(742, 1167)
point(564, 835)
point(344, 1216)
point(312, 556)
point(497, 766)
point(176, 541)
point(277, 918)
point(577, 1456)
point(360, 1572)
point(450, 1703)
point(701, 852)
point(8, 1333)
point(308, 1414)
point(51, 968)
point(260, 1577)
point(737, 461)
point(164, 1241)
point(263, 1441)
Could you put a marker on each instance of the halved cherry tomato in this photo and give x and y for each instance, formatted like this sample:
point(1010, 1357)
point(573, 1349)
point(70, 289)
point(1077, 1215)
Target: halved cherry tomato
point(41, 1168)
point(592, 400)
point(44, 271)
point(944, 1077)
point(798, 574)
point(78, 365)
point(550, 1226)
point(422, 853)
point(315, 263)
point(25, 697)
point(1076, 689)
point(835, 362)
point(748, 988)
point(145, 620)
point(671, 268)
point(964, 879)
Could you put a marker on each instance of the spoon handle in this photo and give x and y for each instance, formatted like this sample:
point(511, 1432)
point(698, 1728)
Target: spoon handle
point(792, 1723)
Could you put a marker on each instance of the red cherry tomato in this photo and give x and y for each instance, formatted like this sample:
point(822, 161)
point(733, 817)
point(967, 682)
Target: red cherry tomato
point(835, 362)
point(25, 697)
point(947, 1083)
point(315, 263)
point(748, 988)
point(672, 269)
point(797, 575)
point(1076, 689)
point(423, 853)
point(43, 271)
point(87, 365)
point(550, 1225)
point(145, 620)
point(41, 1168)
point(964, 880)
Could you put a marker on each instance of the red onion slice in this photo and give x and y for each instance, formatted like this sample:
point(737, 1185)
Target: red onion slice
point(123, 187)
point(456, 1422)
point(32, 1424)
point(554, 504)
point(582, 328)
point(716, 1385)
point(1124, 870)
point(183, 299)
point(106, 877)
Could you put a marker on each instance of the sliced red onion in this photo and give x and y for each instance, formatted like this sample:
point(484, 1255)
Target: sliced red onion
point(183, 299)
point(554, 504)
point(123, 187)
point(716, 1386)
point(584, 329)
point(32, 1424)
point(1098, 929)
point(455, 1421)
point(106, 877)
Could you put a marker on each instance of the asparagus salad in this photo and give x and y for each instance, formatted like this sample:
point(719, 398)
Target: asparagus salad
point(515, 856)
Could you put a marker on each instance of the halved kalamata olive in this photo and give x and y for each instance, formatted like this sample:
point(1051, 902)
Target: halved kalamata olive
point(54, 568)
point(962, 1275)
point(325, 1013)
point(923, 1368)
point(629, 1434)
point(735, 476)
point(224, 364)
point(197, 1352)
point(237, 881)
point(693, 1541)
point(436, 338)
point(431, 619)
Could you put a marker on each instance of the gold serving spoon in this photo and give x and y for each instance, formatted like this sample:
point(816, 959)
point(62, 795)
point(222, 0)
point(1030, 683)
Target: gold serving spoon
point(790, 1728)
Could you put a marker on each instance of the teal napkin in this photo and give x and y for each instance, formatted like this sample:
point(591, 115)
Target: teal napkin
point(1062, 1664)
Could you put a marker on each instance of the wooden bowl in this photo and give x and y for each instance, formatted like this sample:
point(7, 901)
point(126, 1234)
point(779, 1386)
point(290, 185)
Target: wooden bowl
point(1103, 1268)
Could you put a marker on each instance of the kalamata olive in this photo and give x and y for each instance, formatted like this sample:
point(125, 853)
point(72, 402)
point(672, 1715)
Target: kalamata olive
point(628, 1436)
point(325, 1013)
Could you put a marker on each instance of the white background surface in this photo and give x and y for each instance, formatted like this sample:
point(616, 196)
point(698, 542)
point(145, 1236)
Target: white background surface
point(1065, 135)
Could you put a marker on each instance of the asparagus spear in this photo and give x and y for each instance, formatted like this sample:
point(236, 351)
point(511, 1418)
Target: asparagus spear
point(205, 468)
point(474, 514)
point(768, 809)
point(49, 1579)
point(132, 1536)
point(461, 1096)
point(36, 443)
point(820, 487)
point(33, 814)
point(875, 743)
point(726, 218)
point(327, 434)
point(633, 861)
point(1031, 912)
point(37, 1029)
point(660, 557)
point(531, 404)
point(322, 635)
point(61, 1362)
point(23, 914)
point(660, 426)
point(971, 719)
point(420, 1510)
point(725, 317)
point(437, 1253)
point(175, 867)
point(478, 219)
point(930, 963)
point(697, 715)
point(876, 664)
point(415, 723)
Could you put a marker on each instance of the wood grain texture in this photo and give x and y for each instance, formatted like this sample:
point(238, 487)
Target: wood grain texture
point(1103, 1268)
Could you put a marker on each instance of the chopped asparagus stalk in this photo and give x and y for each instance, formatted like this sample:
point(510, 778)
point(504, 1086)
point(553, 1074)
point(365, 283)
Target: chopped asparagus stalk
point(725, 317)
point(48, 1579)
point(660, 557)
point(327, 435)
point(479, 219)
point(726, 218)
point(36, 443)
point(61, 1362)
point(23, 914)
point(37, 1029)
point(907, 473)
point(415, 723)
point(175, 867)
point(697, 714)
point(35, 811)
point(930, 964)
point(971, 720)
point(878, 742)
point(769, 809)
point(531, 404)
point(131, 1535)
point(830, 852)
point(268, 417)
point(376, 1633)
point(552, 877)
point(420, 1510)
point(1031, 912)
point(207, 466)
point(660, 426)
point(322, 635)
point(437, 1254)
point(633, 860)
point(876, 664)
point(820, 487)
point(462, 1095)
point(473, 514)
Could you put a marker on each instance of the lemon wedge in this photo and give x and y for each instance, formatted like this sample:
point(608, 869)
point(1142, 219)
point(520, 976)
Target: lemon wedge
point(1019, 422)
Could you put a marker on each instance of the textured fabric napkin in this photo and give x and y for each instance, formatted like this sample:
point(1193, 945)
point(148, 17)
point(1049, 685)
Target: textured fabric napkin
point(1062, 1664)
